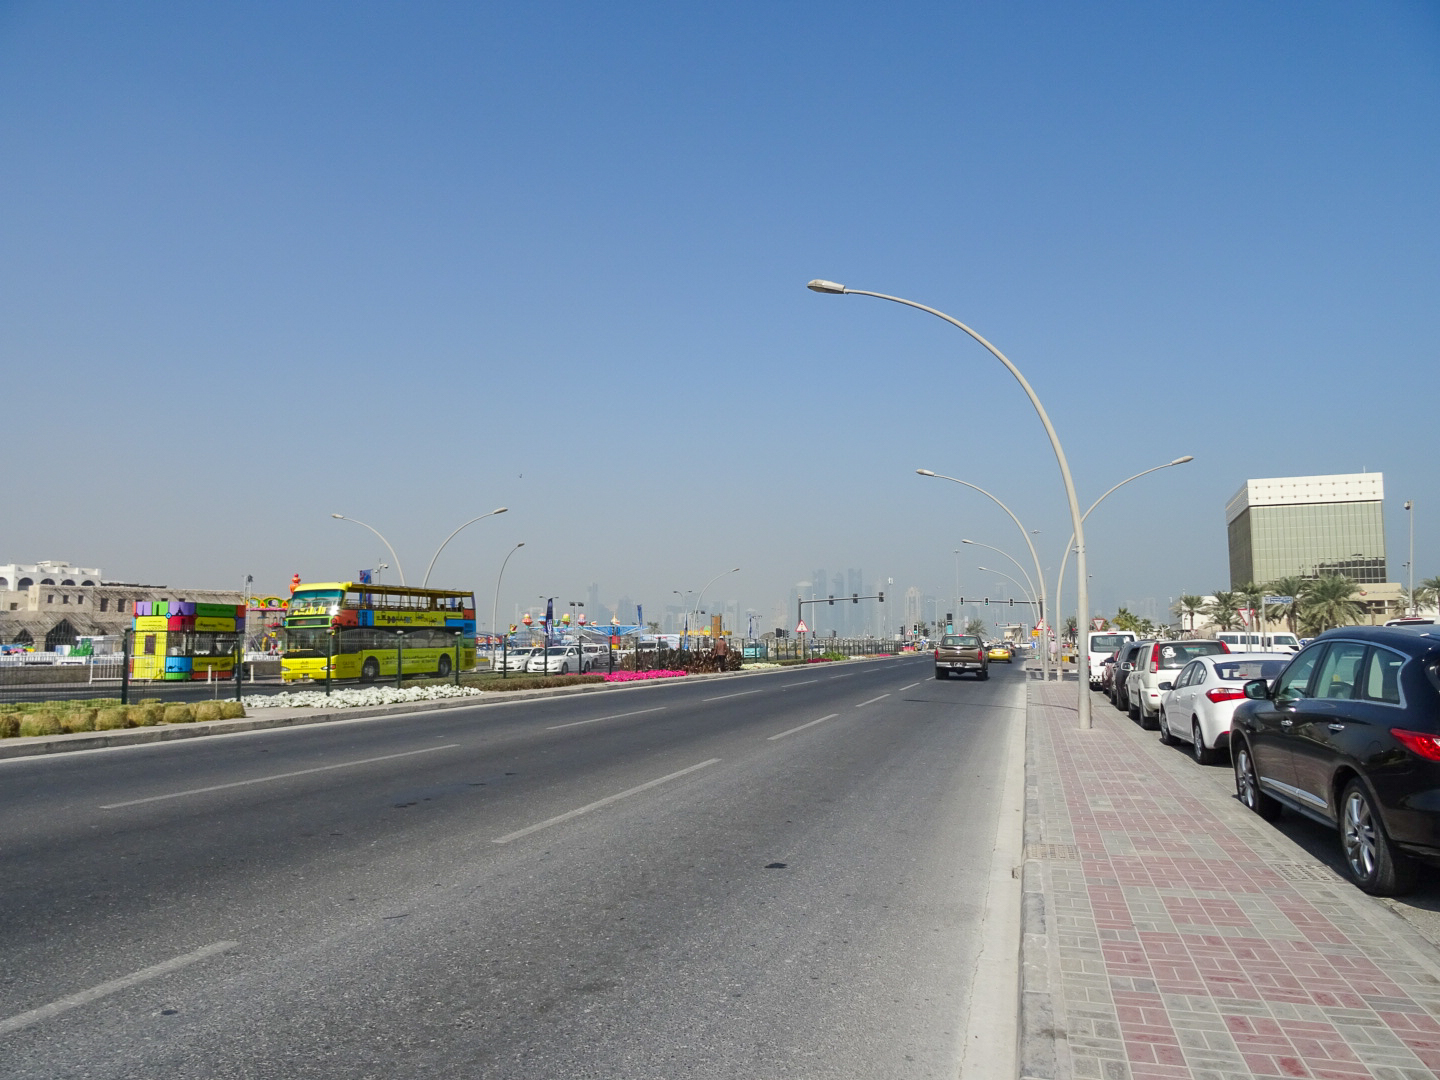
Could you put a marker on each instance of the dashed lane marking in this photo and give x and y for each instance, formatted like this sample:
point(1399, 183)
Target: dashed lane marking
point(871, 701)
point(613, 716)
point(802, 727)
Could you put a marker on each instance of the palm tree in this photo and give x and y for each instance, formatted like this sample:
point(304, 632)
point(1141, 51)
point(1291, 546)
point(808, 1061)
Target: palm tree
point(1070, 628)
point(1293, 587)
point(1252, 595)
point(975, 627)
point(1125, 620)
point(1427, 592)
point(1328, 602)
point(1187, 607)
point(1224, 610)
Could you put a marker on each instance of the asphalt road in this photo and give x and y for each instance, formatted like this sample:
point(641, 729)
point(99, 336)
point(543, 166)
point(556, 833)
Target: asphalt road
point(776, 875)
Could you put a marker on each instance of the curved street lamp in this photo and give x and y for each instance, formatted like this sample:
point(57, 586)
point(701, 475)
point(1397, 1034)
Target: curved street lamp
point(1002, 551)
point(482, 517)
point(1060, 577)
point(1012, 579)
point(1044, 653)
point(495, 606)
point(700, 599)
point(1083, 614)
point(399, 569)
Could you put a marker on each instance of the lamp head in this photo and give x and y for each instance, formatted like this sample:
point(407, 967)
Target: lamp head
point(499, 510)
point(520, 544)
point(735, 571)
point(967, 541)
point(821, 285)
point(340, 516)
point(1183, 460)
point(925, 472)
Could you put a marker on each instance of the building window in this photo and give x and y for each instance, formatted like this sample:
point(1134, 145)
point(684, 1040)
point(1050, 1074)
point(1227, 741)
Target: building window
point(14, 607)
point(47, 581)
point(24, 583)
point(80, 598)
point(4, 583)
point(68, 581)
point(87, 581)
point(50, 598)
point(65, 598)
point(120, 606)
point(104, 604)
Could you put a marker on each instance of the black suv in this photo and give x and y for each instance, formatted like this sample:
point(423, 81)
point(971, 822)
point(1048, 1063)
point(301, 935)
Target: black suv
point(1349, 734)
point(1125, 661)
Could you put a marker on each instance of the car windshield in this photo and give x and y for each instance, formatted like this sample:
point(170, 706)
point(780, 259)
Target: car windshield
point(1108, 642)
point(959, 641)
point(1176, 654)
point(1241, 670)
point(557, 650)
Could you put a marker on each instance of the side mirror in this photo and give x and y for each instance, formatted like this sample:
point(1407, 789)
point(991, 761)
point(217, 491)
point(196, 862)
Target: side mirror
point(1257, 690)
point(1167, 686)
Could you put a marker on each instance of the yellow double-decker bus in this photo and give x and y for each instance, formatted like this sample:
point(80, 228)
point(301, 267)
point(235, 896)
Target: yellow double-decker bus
point(367, 632)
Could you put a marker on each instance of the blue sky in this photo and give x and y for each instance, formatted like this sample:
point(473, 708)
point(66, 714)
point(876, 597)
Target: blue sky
point(413, 261)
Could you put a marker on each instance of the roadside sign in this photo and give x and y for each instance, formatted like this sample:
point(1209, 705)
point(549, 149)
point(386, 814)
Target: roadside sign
point(1279, 599)
point(1246, 614)
point(1097, 624)
point(801, 628)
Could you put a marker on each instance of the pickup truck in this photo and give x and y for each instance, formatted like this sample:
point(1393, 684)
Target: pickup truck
point(961, 652)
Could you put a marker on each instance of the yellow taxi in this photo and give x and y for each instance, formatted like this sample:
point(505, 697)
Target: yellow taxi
point(1000, 651)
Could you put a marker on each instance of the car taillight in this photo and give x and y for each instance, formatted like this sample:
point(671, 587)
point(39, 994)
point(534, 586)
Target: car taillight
point(1224, 693)
point(937, 654)
point(1154, 659)
point(1224, 647)
point(1418, 742)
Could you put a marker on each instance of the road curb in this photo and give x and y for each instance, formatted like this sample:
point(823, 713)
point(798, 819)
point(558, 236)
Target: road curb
point(99, 740)
point(1036, 1054)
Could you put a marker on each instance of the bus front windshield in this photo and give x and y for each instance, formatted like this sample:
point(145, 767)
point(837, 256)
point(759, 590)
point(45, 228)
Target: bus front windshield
point(315, 601)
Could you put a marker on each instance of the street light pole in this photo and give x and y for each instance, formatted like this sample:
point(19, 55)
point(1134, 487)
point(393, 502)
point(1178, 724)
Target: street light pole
point(1410, 513)
point(357, 521)
point(495, 604)
point(1083, 604)
point(701, 598)
point(1060, 577)
point(1034, 595)
point(447, 540)
point(1044, 653)
point(1012, 579)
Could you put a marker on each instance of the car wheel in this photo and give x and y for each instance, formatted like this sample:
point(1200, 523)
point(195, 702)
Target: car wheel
point(983, 674)
point(941, 673)
point(1203, 754)
point(1165, 736)
point(1149, 721)
point(564, 669)
point(1132, 710)
point(442, 666)
point(1370, 858)
point(1247, 785)
point(370, 670)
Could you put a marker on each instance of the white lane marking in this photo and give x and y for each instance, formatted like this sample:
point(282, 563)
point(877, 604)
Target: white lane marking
point(845, 676)
point(871, 701)
point(84, 997)
point(802, 682)
point(598, 803)
point(742, 693)
point(612, 716)
point(277, 776)
point(802, 727)
point(911, 686)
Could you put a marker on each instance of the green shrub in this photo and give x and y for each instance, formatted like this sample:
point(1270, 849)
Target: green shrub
point(145, 715)
point(40, 723)
point(232, 710)
point(111, 719)
point(9, 725)
point(207, 710)
point(73, 720)
point(178, 714)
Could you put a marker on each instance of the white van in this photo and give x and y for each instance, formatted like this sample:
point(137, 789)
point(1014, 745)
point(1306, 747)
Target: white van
point(1253, 641)
point(1100, 645)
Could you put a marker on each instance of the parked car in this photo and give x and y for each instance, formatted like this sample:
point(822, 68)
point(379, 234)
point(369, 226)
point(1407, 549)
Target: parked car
point(1349, 734)
point(1125, 662)
point(595, 657)
point(961, 652)
point(1238, 641)
point(1155, 665)
point(1103, 643)
point(1198, 706)
point(1000, 651)
point(556, 660)
point(513, 659)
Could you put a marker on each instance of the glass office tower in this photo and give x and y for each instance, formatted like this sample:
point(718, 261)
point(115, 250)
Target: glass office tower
point(1307, 526)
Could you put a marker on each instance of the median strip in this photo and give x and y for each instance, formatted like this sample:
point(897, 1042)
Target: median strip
point(612, 716)
point(277, 776)
point(84, 997)
point(802, 727)
point(518, 833)
point(871, 701)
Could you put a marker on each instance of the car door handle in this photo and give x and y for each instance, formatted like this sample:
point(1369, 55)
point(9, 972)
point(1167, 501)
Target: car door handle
point(1337, 727)
point(1286, 723)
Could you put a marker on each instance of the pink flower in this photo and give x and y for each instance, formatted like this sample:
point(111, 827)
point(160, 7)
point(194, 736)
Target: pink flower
point(634, 676)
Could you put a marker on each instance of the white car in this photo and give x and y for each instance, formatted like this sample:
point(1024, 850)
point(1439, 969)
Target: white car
point(556, 660)
point(596, 657)
point(1198, 705)
point(1103, 643)
point(1238, 641)
point(513, 659)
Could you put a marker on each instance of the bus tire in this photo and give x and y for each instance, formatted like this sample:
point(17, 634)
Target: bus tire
point(442, 666)
point(370, 670)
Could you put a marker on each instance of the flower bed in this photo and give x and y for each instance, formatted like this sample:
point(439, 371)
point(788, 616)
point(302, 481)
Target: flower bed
point(351, 698)
point(640, 676)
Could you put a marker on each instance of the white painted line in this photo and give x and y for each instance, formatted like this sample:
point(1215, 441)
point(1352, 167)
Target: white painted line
point(802, 682)
point(84, 997)
point(612, 716)
point(871, 701)
point(277, 776)
point(518, 833)
point(802, 727)
point(742, 693)
point(910, 687)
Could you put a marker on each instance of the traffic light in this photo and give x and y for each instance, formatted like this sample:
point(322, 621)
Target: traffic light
point(882, 598)
point(832, 601)
point(949, 617)
point(987, 601)
point(1012, 601)
point(854, 598)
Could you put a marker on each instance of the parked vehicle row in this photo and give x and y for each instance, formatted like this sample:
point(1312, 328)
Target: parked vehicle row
point(1345, 731)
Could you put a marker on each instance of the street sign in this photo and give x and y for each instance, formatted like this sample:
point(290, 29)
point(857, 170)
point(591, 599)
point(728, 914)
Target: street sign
point(1097, 624)
point(801, 628)
point(1279, 599)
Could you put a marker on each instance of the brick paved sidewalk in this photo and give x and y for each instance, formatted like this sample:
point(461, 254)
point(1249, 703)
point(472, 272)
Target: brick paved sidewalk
point(1170, 932)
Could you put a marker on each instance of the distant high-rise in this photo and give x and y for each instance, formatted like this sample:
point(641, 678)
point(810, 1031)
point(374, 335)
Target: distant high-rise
point(1306, 526)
